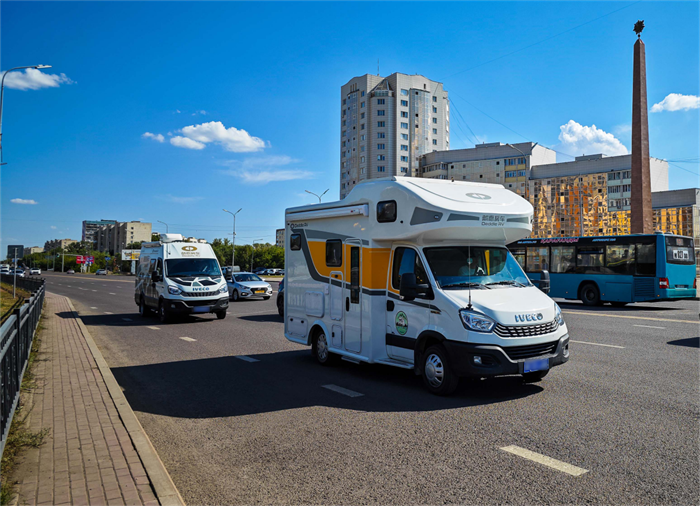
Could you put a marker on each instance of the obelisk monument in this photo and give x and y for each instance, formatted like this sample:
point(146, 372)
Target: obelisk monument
point(642, 218)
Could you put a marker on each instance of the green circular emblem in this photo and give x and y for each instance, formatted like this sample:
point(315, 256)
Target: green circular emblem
point(401, 323)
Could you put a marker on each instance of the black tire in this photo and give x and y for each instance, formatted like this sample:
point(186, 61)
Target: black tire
point(534, 377)
point(438, 375)
point(319, 349)
point(221, 314)
point(235, 297)
point(618, 304)
point(280, 306)
point(163, 314)
point(144, 310)
point(590, 295)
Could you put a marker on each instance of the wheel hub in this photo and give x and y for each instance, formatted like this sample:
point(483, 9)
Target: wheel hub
point(434, 370)
point(322, 347)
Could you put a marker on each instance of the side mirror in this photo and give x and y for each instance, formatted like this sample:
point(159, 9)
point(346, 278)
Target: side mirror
point(155, 277)
point(410, 289)
point(544, 282)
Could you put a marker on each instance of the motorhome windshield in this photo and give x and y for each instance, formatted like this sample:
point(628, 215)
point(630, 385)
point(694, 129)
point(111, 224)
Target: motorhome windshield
point(186, 267)
point(462, 267)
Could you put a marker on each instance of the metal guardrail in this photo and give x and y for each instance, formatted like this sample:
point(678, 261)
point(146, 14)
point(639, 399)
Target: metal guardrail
point(16, 337)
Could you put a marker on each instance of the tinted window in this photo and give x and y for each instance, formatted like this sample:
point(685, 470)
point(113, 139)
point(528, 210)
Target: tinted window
point(295, 242)
point(355, 275)
point(407, 260)
point(334, 253)
point(679, 250)
point(537, 259)
point(386, 211)
point(590, 259)
point(186, 267)
point(519, 255)
point(455, 267)
point(646, 259)
point(563, 259)
point(619, 259)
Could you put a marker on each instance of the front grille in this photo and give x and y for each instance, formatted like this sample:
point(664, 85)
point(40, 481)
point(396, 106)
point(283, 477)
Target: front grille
point(193, 303)
point(525, 330)
point(199, 294)
point(530, 351)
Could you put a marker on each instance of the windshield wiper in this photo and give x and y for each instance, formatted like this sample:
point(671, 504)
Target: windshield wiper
point(466, 285)
point(506, 282)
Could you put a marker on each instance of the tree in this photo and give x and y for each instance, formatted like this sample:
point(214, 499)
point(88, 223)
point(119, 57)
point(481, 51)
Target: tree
point(155, 236)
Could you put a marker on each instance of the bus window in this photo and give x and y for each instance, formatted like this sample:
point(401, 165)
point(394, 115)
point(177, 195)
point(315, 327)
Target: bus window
point(620, 259)
point(589, 259)
point(679, 250)
point(563, 259)
point(537, 259)
point(519, 255)
point(646, 259)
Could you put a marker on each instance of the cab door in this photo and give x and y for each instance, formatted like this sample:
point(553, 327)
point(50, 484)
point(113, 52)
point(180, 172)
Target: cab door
point(405, 319)
point(353, 296)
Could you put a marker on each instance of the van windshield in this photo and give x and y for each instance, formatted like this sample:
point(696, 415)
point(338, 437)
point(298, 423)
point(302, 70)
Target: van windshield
point(188, 267)
point(461, 267)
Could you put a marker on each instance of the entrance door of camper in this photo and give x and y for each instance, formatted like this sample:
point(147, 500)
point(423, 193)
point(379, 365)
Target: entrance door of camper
point(353, 296)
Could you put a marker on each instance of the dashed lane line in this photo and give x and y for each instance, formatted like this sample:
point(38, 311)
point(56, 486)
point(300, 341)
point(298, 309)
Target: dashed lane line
point(630, 317)
point(107, 312)
point(93, 307)
point(597, 344)
point(649, 327)
point(545, 461)
point(246, 358)
point(188, 339)
point(112, 293)
point(341, 390)
point(153, 328)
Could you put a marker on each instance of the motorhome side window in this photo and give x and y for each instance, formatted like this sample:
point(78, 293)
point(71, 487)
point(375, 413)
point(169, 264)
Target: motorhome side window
point(334, 253)
point(295, 242)
point(407, 260)
point(386, 211)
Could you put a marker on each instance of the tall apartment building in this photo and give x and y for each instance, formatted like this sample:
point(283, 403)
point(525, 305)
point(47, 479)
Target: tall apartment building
point(58, 243)
point(113, 238)
point(90, 227)
point(15, 250)
point(387, 123)
point(279, 237)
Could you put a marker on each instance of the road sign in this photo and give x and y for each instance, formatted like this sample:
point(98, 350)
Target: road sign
point(107, 259)
point(90, 260)
point(79, 260)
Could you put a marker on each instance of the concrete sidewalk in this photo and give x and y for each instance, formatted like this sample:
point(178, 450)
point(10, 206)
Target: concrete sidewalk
point(94, 453)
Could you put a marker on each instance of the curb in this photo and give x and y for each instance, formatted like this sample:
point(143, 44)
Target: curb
point(163, 485)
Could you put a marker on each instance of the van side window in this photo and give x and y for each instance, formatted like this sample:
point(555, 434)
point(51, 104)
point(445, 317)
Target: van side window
point(386, 211)
point(295, 242)
point(151, 266)
point(407, 260)
point(159, 267)
point(334, 253)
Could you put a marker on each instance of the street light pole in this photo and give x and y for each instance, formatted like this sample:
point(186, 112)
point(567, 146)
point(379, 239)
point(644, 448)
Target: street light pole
point(318, 196)
point(14, 280)
point(166, 225)
point(252, 255)
point(233, 241)
point(2, 94)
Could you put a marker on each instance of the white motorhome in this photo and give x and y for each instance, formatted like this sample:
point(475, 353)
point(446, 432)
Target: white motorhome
point(415, 273)
point(179, 276)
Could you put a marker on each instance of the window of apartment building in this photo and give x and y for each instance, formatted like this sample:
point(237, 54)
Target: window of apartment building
point(404, 137)
point(344, 123)
point(404, 125)
point(343, 101)
point(434, 110)
point(362, 159)
point(434, 142)
point(381, 168)
point(343, 133)
point(434, 120)
point(510, 173)
point(362, 105)
point(404, 114)
point(362, 126)
point(362, 116)
point(404, 147)
point(343, 143)
point(614, 189)
point(343, 155)
point(404, 159)
point(626, 187)
point(434, 131)
point(381, 112)
point(626, 174)
point(521, 173)
point(613, 175)
point(380, 101)
point(498, 163)
point(404, 92)
point(362, 94)
point(362, 137)
point(404, 169)
point(434, 99)
point(404, 103)
point(381, 124)
point(381, 135)
point(381, 158)
point(381, 146)
point(362, 148)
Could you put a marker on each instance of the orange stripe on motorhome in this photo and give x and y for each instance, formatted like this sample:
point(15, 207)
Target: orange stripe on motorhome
point(318, 256)
point(375, 264)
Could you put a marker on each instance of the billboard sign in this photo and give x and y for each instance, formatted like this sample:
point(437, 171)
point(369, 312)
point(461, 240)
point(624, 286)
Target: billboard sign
point(131, 254)
point(79, 259)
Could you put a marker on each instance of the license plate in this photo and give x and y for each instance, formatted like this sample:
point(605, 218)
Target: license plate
point(200, 309)
point(541, 364)
point(259, 291)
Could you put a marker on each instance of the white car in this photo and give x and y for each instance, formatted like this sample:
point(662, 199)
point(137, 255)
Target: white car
point(245, 285)
point(35, 272)
point(18, 272)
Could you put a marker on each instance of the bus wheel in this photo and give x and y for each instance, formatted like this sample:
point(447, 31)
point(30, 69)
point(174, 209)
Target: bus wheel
point(438, 375)
point(590, 295)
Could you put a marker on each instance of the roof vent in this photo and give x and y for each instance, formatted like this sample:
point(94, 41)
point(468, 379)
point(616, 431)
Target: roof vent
point(170, 237)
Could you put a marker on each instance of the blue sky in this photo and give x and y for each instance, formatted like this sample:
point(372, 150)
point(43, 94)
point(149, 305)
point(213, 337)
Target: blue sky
point(270, 73)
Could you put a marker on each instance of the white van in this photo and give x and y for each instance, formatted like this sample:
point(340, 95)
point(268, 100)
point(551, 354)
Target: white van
point(178, 276)
point(415, 273)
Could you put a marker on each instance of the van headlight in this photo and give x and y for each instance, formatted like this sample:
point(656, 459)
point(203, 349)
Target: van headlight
point(477, 322)
point(173, 290)
point(224, 289)
point(557, 314)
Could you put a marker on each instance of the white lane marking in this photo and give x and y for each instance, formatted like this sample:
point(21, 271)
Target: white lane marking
point(92, 307)
point(69, 286)
point(107, 312)
point(112, 293)
point(246, 358)
point(188, 339)
point(228, 312)
point(598, 344)
point(630, 317)
point(545, 461)
point(127, 319)
point(649, 327)
point(153, 328)
point(253, 312)
point(344, 391)
point(94, 290)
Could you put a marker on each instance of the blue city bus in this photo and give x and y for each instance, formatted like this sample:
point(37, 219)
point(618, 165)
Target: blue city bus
point(614, 269)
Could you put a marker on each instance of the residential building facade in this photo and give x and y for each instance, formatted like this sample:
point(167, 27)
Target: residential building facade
point(91, 227)
point(387, 123)
point(33, 249)
point(279, 237)
point(113, 238)
point(58, 243)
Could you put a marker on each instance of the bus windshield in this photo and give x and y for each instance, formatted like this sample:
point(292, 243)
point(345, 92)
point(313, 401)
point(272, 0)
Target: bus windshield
point(189, 267)
point(461, 267)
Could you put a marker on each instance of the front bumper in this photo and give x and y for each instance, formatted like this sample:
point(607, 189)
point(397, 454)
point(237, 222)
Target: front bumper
point(196, 306)
point(246, 294)
point(495, 360)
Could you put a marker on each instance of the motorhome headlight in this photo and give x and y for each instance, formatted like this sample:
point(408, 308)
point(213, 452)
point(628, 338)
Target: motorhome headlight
point(173, 290)
point(557, 314)
point(477, 322)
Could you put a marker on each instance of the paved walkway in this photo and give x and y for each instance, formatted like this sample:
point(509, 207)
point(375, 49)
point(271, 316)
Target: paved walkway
point(88, 456)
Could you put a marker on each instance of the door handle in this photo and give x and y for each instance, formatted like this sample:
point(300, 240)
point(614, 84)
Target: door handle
point(347, 303)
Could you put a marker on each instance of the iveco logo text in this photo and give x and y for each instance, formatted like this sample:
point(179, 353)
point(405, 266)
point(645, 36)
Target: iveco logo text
point(206, 289)
point(532, 317)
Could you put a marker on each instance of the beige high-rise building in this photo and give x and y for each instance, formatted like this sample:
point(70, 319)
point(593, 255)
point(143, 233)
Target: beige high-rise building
point(58, 243)
point(114, 238)
point(387, 123)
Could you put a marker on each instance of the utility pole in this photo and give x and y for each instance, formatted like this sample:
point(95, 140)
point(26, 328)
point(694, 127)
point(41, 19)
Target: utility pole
point(14, 278)
point(252, 255)
point(233, 240)
point(317, 196)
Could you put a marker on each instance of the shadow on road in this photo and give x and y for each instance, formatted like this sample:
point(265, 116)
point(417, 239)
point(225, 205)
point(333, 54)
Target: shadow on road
point(690, 342)
point(271, 317)
point(228, 386)
point(136, 320)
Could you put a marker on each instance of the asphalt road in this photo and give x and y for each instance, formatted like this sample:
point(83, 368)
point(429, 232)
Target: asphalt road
point(235, 431)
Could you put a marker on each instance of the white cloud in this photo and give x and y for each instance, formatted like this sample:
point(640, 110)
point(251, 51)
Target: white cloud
point(577, 139)
point(33, 79)
point(677, 102)
point(623, 129)
point(184, 142)
point(255, 162)
point(262, 169)
point(180, 200)
point(155, 137)
point(268, 176)
point(53, 227)
point(24, 201)
point(231, 139)
point(177, 111)
point(202, 112)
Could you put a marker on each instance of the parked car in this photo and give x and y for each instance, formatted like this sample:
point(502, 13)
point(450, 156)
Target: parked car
point(259, 270)
point(35, 271)
point(245, 285)
point(101, 272)
point(5, 269)
point(18, 272)
point(280, 272)
point(280, 299)
point(70, 271)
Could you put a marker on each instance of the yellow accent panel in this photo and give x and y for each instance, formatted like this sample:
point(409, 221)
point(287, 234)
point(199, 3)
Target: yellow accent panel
point(318, 256)
point(375, 265)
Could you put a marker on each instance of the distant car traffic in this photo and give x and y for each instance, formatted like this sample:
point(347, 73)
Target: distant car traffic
point(4, 269)
point(245, 285)
point(259, 270)
point(35, 271)
point(70, 271)
point(101, 272)
point(280, 299)
point(17, 272)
